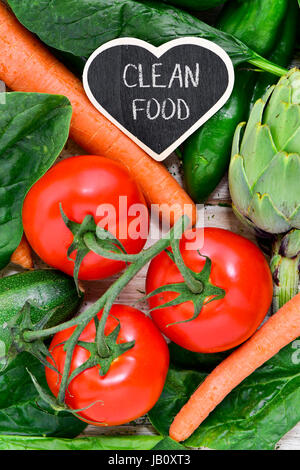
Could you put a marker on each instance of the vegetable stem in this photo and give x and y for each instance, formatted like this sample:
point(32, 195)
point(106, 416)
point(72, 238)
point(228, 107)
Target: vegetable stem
point(115, 288)
point(285, 269)
point(267, 66)
point(92, 244)
point(105, 302)
point(195, 285)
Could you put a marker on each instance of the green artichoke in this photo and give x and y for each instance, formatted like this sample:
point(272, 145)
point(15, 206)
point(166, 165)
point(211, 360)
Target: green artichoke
point(264, 173)
point(264, 176)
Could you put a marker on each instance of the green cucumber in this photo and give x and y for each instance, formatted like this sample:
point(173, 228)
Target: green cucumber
point(46, 290)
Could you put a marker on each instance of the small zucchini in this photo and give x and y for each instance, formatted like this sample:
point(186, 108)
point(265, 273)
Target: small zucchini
point(46, 289)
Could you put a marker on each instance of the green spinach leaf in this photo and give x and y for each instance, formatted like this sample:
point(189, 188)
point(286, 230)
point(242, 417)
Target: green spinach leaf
point(254, 416)
point(85, 443)
point(196, 5)
point(80, 26)
point(184, 359)
point(23, 412)
point(179, 386)
point(168, 444)
point(33, 130)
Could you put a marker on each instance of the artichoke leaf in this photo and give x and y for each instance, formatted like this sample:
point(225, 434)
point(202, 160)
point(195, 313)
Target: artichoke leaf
point(294, 82)
point(255, 117)
point(295, 218)
point(244, 219)
point(258, 151)
point(290, 243)
point(280, 94)
point(284, 124)
point(264, 215)
point(292, 145)
point(237, 139)
point(281, 181)
point(238, 184)
point(267, 94)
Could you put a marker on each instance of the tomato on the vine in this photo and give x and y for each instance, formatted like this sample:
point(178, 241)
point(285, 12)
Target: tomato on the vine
point(82, 185)
point(134, 380)
point(238, 267)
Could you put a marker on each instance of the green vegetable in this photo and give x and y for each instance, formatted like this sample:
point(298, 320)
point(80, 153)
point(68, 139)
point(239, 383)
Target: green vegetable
point(34, 128)
point(45, 289)
point(21, 409)
point(183, 359)
point(168, 444)
point(282, 53)
point(179, 386)
point(206, 153)
point(85, 443)
point(80, 26)
point(246, 20)
point(254, 416)
point(195, 4)
point(205, 158)
point(264, 177)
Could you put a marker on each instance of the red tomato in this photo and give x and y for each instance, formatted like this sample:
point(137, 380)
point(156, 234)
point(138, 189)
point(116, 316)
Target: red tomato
point(134, 381)
point(81, 184)
point(238, 267)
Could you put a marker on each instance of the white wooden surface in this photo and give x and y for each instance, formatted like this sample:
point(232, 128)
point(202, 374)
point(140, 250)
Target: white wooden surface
point(215, 215)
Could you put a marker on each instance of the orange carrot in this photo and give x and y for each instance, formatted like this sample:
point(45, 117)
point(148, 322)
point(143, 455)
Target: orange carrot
point(26, 65)
point(277, 332)
point(22, 256)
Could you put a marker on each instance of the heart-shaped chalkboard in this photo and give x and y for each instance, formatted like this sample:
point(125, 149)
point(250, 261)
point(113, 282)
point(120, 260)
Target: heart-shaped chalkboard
point(158, 96)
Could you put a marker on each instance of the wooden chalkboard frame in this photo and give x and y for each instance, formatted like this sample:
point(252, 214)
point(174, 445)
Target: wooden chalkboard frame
point(158, 52)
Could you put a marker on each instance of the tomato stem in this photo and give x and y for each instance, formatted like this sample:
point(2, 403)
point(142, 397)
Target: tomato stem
point(82, 322)
point(143, 258)
point(93, 245)
point(102, 242)
point(195, 285)
point(105, 302)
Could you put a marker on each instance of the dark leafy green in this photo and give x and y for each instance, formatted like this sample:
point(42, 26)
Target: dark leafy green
point(80, 26)
point(254, 416)
point(21, 409)
point(84, 443)
point(179, 386)
point(195, 4)
point(33, 130)
point(168, 444)
point(182, 358)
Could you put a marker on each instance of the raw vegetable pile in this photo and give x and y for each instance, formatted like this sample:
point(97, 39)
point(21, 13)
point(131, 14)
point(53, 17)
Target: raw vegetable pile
point(221, 381)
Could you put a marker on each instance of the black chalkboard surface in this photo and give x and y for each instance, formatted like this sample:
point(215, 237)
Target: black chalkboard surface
point(158, 96)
